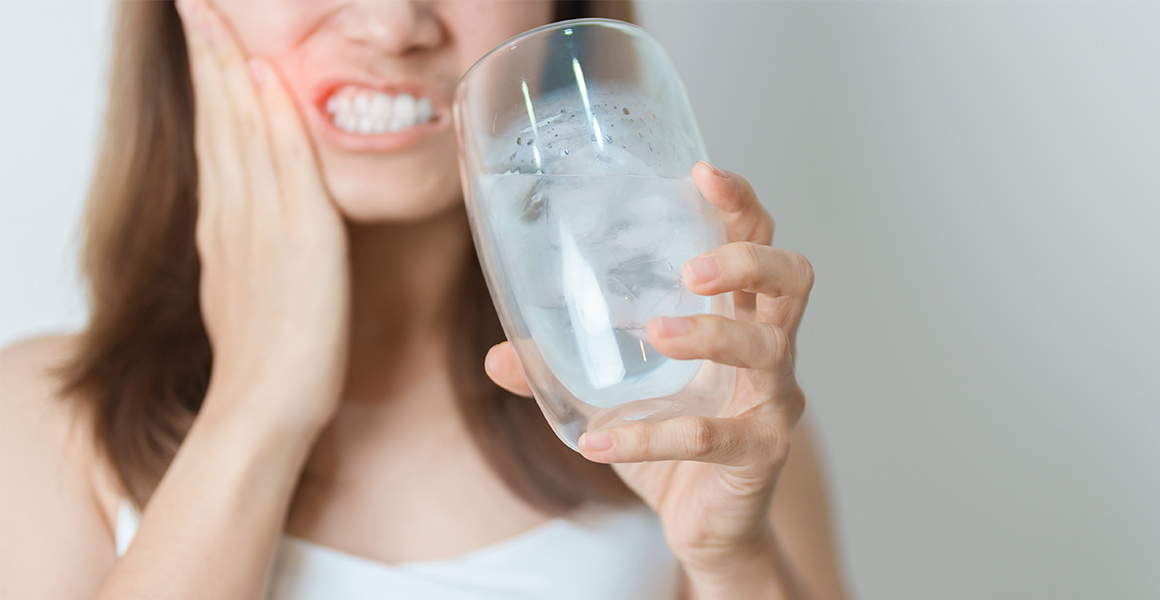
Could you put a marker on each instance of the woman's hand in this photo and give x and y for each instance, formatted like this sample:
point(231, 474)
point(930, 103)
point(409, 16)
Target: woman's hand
point(275, 283)
point(711, 480)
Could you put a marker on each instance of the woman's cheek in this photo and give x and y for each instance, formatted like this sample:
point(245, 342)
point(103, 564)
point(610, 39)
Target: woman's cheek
point(274, 27)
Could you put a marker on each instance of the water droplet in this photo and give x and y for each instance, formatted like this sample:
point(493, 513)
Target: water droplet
point(608, 138)
point(594, 137)
point(518, 140)
point(567, 32)
point(640, 135)
point(626, 110)
point(565, 152)
point(549, 144)
point(530, 141)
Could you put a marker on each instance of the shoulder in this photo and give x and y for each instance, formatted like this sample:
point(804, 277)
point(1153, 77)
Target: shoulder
point(36, 418)
point(54, 491)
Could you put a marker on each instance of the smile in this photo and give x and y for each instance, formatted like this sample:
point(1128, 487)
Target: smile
point(368, 112)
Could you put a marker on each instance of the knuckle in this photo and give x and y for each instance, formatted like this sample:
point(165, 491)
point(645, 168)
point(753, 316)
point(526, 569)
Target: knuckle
point(750, 254)
point(779, 346)
point(763, 231)
point(253, 125)
point(711, 330)
point(292, 150)
point(701, 438)
point(805, 268)
point(642, 441)
point(747, 257)
point(204, 234)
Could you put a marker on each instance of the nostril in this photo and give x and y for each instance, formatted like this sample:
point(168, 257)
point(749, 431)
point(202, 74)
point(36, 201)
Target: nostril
point(396, 28)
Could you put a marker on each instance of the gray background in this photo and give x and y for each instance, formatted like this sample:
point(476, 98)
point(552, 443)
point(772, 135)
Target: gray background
point(978, 187)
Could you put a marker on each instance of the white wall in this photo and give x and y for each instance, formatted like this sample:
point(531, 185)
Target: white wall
point(52, 57)
point(978, 187)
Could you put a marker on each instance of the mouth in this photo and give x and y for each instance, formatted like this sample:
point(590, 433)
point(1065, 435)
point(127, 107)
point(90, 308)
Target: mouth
point(363, 118)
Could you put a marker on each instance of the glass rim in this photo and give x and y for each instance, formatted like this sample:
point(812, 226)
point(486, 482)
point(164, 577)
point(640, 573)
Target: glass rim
point(624, 26)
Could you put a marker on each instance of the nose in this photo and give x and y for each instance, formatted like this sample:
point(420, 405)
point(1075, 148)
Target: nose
point(392, 26)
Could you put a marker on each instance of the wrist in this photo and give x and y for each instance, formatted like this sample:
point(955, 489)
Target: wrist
point(259, 418)
point(757, 571)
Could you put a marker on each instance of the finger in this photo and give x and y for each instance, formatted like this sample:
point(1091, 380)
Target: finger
point(503, 366)
point(217, 59)
point(750, 267)
point(228, 117)
point(745, 344)
point(293, 153)
point(737, 204)
point(727, 441)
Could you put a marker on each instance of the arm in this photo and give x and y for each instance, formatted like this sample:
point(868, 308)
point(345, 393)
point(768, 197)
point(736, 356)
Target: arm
point(275, 301)
point(212, 526)
point(209, 531)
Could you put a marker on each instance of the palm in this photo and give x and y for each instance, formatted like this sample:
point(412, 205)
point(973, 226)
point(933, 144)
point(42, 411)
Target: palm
point(694, 498)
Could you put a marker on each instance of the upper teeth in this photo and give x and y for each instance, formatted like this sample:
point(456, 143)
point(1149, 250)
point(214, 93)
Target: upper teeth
point(368, 112)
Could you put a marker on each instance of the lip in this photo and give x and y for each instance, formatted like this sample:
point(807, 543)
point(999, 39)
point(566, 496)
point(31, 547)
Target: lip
point(381, 142)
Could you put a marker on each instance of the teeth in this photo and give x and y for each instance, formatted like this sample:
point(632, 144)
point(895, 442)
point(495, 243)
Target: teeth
point(403, 113)
point(362, 103)
point(381, 106)
point(366, 112)
point(423, 110)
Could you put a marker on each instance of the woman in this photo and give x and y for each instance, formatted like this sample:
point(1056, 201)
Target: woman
point(290, 334)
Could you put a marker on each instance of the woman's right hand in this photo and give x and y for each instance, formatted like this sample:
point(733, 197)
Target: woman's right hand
point(275, 282)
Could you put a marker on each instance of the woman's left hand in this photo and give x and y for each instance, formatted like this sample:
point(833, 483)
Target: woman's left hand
point(711, 480)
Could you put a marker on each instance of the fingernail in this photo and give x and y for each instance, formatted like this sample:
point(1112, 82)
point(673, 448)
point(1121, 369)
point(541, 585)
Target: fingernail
point(257, 71)
point(673, 326)
point(596, 441)
point(718, 172)
point(704, 268)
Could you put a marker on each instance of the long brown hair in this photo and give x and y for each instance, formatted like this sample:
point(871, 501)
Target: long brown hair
point(142, 365)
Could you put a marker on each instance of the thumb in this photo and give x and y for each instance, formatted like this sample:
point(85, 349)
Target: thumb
point(503, 367)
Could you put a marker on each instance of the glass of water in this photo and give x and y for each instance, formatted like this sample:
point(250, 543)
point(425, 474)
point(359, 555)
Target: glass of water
point(577, 143)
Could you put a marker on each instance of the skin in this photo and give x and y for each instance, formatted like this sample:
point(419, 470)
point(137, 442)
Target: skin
point(309, 428)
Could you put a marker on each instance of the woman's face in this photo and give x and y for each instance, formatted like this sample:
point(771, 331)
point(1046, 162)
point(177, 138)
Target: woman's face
point(374, 82)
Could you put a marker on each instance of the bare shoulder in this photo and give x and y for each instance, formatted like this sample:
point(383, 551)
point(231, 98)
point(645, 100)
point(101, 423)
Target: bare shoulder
point(56, 540)
point(803, 518)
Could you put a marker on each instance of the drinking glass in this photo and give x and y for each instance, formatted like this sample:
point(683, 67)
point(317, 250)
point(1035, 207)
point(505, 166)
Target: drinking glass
point(577, 143)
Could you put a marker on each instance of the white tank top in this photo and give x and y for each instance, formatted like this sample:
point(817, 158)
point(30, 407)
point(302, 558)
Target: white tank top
point(598, 552)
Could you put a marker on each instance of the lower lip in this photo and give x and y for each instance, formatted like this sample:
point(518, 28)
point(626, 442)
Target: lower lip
point(379, 142)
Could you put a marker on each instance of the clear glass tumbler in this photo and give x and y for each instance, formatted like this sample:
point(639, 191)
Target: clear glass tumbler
point(577, 143)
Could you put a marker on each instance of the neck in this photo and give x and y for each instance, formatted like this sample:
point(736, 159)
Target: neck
point(398, 385)
point(404, 277)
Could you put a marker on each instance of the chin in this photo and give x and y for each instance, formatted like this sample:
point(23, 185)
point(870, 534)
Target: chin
point(394, 187)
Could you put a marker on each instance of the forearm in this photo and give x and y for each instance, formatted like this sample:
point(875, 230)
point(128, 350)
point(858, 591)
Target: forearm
point(212, 526)
point(758, 573)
